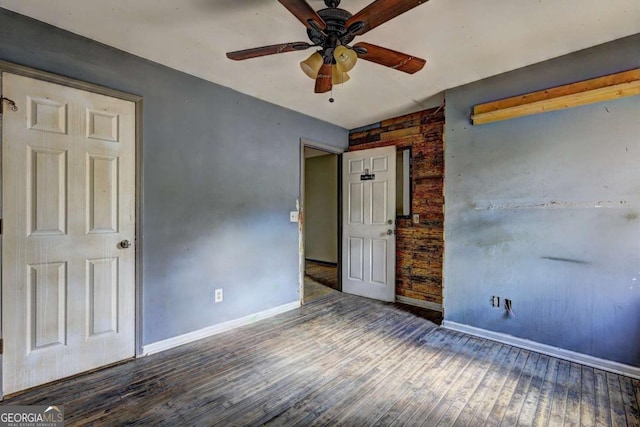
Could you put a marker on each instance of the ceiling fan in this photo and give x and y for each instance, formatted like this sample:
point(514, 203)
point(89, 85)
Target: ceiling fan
point(331, 30)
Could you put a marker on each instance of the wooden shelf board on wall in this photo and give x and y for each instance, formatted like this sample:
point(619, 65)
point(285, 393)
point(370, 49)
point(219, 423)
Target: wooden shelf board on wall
point(604, 88)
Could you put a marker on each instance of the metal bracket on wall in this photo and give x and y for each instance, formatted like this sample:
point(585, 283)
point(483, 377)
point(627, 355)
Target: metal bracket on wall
point(12, 104)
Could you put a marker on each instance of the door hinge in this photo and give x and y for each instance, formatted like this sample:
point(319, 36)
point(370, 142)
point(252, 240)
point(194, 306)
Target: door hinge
point(0, 225)
point(1, 346)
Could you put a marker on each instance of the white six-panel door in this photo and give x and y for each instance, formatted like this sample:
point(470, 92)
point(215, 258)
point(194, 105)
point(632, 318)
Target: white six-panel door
point(369, 211)
point(68, 179)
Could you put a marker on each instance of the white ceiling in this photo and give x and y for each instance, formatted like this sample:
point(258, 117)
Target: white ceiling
point(462, 41)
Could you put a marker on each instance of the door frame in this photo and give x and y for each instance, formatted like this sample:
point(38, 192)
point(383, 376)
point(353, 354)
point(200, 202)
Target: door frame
point(330, 149)
point(21, 70)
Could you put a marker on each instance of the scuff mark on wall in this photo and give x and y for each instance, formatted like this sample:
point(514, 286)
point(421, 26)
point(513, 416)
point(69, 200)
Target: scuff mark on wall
point(573, 261)
point(546, 204)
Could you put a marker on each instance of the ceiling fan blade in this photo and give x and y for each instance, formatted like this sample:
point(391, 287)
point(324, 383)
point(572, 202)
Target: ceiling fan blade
point(323, 81)
point(379, 12)
point(389, 58)
point(305, 13)
point(239, 55)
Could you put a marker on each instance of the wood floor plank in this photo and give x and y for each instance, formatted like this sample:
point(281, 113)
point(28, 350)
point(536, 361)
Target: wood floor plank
point(347, 361)
point(504, 397)
point(528, 411)
point(545, 401)
point(588, 398)
point(467, 385)
point(237, 403)
point(631, 409)
point(439, 400)
point(602, 408)
point(574, 391)
point(424, 391)
point(618, 416)
point(237, 374)
point(560, 392)
point(487, 380)
point(636, 388)
point(225, 382)
point(512, 412)
point(385, 368)
point(492, 394)
point(168, 366)
point(400, 354)
point(430, 371)
point(391, 388)
point(324, 398)
point(433, 393)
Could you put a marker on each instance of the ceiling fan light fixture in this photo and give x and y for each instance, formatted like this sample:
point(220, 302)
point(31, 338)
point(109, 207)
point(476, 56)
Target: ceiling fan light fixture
point(345, 58)
point(331, 30)
point(311, 65)
point(337, 76)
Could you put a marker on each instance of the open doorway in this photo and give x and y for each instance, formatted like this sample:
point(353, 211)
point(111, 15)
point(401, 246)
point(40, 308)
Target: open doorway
point(320, 207)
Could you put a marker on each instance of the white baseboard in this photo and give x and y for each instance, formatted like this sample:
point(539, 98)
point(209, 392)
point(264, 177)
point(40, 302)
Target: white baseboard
point(419, 303)
point(163, 345)
point(560, 353)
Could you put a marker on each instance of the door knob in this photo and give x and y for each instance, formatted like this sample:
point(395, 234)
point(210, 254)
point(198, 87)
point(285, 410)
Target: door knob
point(125, 244)
point(389, 232)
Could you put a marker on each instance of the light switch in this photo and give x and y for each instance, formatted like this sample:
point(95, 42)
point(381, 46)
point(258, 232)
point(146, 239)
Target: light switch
point(293, 216)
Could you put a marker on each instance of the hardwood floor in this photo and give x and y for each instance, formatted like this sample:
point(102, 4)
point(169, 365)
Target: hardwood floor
point(323, 273)
point(314, 290)
point(320, 280)
point(345, 360)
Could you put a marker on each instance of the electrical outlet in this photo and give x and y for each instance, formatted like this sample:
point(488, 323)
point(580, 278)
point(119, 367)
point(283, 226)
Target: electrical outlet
point(217, 295)
point(293, 216)
point(415, 218)
point(495, 301)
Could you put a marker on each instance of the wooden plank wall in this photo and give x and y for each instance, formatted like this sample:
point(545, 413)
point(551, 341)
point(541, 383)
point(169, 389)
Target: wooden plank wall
point(419, 247)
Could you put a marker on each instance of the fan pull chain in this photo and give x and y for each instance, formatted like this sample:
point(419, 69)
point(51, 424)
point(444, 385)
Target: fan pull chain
point(331, 99)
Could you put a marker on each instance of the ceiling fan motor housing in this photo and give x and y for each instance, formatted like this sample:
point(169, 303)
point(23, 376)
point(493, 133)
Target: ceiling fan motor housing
point(336, 29)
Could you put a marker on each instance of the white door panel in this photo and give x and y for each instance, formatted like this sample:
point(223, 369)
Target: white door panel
point(369, 223)
point(68, 200)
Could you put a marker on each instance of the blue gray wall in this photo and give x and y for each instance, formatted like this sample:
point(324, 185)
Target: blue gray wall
point(545, 210)
point(221, 173)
